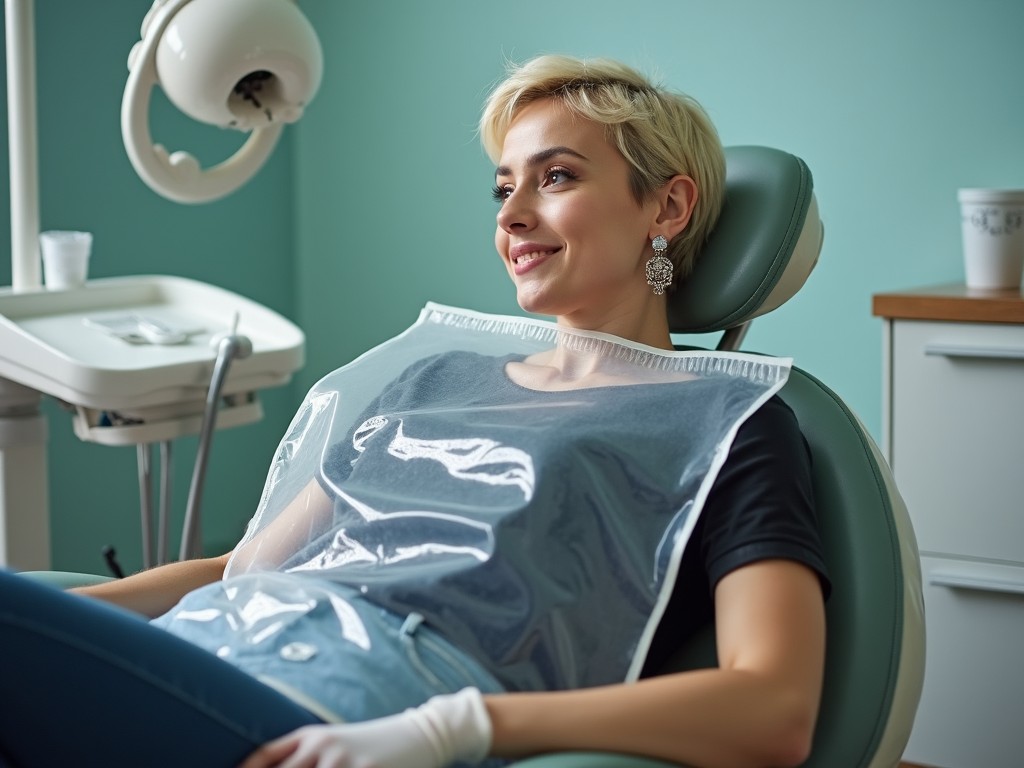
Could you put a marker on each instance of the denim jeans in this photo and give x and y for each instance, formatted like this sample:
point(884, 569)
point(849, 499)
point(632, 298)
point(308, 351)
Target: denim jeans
point(84, 683)
point(324, 644)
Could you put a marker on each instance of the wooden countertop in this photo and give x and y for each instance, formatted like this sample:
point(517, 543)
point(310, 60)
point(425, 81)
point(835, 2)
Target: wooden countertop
point(953, 303)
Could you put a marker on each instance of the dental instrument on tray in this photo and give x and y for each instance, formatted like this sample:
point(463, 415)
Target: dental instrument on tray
point(143, 329)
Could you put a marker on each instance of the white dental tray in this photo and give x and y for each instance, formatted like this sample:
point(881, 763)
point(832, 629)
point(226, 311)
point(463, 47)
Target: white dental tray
point(78, 346)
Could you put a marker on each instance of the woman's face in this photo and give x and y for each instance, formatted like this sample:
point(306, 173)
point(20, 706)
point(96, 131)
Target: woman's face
point(571, 234)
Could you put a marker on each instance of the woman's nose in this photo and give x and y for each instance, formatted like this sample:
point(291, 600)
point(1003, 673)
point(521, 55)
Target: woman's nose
point(517, 213)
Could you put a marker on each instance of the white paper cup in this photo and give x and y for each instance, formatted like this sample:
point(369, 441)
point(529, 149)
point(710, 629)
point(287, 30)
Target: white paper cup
point(65, 258)
point(992, 223)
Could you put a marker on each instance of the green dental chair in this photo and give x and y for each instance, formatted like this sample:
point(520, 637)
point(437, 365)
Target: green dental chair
point(760, 254)
point(762, 251)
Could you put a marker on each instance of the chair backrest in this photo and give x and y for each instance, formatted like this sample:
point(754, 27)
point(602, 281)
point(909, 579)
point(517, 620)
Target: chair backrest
point(762, 251)
point(763, 248)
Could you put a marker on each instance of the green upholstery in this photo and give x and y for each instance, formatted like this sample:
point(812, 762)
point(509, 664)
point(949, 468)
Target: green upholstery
point(66, 580)
point(590, 760)
point(764, 247)
point(875, 653)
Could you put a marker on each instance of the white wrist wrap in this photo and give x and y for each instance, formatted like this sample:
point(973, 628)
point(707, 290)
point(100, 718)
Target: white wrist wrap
point(457, 726)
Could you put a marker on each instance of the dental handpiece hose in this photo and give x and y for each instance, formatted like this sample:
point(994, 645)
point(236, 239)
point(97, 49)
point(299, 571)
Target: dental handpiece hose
point(229, 348)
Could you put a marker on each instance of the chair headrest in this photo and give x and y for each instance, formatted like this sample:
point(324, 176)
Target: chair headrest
point(764, 246)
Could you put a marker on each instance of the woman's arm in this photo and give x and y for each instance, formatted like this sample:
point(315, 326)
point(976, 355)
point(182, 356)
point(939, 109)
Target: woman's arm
point(757, 709)
point(157, 590)
point(304, 517)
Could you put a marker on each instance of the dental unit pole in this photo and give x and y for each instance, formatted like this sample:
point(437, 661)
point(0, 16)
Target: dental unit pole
point(165, 501)
point(24, 540)
point(153, 553)
point(252, 65)
point(143, 456)
point(26, 270)
point(23, 429)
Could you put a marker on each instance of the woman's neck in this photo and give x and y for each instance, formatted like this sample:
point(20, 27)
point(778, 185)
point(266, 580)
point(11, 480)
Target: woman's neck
point(648, 325)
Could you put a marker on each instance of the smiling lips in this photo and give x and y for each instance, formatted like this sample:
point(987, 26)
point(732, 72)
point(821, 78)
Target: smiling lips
point(526, 256)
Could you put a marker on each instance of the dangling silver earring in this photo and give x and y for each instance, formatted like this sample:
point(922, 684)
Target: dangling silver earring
point(658, 267)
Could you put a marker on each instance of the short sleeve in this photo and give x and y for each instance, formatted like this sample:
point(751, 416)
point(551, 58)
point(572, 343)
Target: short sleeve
point(761, 506)
point(762, 503)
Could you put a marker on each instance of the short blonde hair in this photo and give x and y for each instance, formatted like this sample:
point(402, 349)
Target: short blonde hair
point(660, 133)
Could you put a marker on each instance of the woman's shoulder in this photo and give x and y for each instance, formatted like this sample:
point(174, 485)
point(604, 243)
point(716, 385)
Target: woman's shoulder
point(774, 423)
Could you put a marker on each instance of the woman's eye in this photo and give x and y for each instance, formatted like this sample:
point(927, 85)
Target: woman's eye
point(558, 176)
point(500, 194)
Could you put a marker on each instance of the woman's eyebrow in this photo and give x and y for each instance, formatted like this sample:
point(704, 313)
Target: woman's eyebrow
point(541, 157)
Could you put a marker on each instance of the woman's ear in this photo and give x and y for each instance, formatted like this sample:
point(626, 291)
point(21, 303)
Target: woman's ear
point(676, 199)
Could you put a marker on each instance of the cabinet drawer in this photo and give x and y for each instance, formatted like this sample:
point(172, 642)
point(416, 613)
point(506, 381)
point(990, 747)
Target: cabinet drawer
point(958, 435)
point(970, 711)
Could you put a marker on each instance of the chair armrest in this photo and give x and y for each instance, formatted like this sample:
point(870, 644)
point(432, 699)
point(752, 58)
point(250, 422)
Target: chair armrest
point(65, 580)
point(590, 760)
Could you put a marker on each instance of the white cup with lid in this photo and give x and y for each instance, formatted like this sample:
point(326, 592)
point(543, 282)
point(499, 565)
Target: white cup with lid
point(992, 224)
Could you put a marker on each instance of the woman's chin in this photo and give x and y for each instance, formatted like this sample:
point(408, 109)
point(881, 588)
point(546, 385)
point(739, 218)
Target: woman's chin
point(533, 304)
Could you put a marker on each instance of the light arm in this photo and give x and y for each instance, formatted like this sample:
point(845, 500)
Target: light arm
point(157, 590)
point(286, 534)
point(757, 709)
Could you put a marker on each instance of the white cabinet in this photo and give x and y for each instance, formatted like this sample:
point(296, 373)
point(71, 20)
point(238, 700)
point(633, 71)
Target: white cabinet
point(953, 426)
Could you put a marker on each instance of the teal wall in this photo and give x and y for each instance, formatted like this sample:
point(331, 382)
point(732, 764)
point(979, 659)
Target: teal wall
point(379, 200)
point(894, 105)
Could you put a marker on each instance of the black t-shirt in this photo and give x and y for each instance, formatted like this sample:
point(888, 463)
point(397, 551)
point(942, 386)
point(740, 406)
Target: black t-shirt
point(760, 507)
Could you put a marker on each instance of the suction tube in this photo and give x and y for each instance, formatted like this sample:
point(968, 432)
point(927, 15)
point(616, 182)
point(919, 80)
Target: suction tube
point(229, 348)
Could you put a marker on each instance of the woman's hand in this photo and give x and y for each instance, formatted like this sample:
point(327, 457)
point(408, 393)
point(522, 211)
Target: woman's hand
point(445, 729)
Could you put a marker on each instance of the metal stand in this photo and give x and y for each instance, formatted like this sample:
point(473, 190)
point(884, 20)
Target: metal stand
point(24, 499)
point(733, 337)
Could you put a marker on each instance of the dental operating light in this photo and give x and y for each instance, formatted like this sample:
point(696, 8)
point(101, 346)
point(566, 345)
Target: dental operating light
point(248, 65)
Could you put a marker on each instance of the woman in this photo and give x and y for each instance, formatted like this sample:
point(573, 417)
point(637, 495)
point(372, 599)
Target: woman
point(600, 177)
